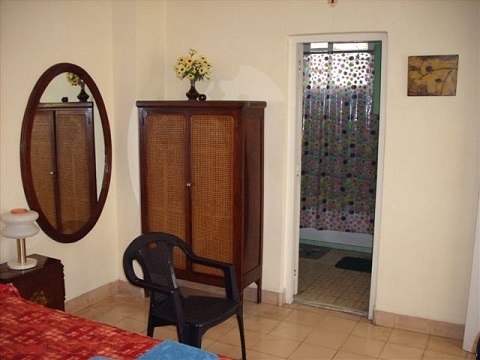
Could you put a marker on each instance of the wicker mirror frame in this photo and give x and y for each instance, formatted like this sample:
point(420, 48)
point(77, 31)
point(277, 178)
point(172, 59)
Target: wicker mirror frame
point(26, 158)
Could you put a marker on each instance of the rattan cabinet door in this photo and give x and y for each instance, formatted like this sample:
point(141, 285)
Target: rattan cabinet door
point(76, 174)
point(162, 156)
point(43, 164)
point(212, 185)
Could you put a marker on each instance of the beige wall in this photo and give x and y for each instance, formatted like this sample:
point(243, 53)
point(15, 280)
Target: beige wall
point(129, 47)
point(35, 35)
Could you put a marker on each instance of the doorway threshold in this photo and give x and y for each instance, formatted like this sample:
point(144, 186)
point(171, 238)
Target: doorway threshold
point(298, 300)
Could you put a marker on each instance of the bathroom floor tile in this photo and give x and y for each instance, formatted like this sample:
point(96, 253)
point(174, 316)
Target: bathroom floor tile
point(322, 283)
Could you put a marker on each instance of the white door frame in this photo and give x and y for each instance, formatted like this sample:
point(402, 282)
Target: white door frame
point(294, 137)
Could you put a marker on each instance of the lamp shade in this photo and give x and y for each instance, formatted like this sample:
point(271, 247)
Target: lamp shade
point(19, 223)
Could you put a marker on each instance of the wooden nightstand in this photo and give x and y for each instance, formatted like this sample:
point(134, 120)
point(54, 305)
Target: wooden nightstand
point(43, 284)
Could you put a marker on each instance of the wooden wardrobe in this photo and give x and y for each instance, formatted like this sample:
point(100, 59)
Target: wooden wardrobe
point(201, 172)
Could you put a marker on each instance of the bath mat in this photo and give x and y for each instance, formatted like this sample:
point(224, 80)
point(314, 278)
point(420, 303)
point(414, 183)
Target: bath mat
point(312, 251)
point(355, 264)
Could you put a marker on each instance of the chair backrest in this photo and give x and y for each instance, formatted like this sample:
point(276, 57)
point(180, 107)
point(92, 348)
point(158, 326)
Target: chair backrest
point(154, 254)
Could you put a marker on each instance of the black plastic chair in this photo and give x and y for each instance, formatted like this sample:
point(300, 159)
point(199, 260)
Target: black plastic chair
point(477, 352)
point(192, 315)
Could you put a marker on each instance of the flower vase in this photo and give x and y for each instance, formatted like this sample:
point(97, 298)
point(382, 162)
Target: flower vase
point(82, 96)
point(192, 93)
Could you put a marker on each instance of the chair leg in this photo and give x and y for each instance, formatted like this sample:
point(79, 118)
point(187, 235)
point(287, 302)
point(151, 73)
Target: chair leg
point(477, 354)
point(183, 335)
point(193, 338)
point(242, 333)
point(150, 327)
point(196, 339)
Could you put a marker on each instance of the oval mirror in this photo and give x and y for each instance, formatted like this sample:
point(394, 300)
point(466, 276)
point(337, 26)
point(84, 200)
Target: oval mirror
point(66, 152)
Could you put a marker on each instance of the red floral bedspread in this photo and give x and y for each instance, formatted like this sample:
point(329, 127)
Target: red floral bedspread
point(29, 331)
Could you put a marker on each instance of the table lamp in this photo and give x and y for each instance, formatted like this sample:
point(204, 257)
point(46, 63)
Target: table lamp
point(19, 225)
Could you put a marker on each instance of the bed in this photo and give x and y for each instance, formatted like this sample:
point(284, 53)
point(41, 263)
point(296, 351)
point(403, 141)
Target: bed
point(30, 331)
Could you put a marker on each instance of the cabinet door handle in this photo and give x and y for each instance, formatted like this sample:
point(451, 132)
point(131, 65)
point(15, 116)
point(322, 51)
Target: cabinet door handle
point(189, 184)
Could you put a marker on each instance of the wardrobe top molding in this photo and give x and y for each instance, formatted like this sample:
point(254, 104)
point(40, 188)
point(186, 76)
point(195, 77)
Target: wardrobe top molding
point(201, 104)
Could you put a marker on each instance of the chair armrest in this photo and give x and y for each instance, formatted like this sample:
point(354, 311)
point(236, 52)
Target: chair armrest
point(152, 287)
point(229, 272)
point(210, 262)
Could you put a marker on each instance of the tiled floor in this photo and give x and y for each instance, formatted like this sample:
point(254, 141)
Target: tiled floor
point(291, 332)
point(320, 282)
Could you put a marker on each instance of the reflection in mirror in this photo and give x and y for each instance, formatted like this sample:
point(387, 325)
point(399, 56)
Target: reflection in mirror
point(66, 152)
point(62, 155)
point(62, 89)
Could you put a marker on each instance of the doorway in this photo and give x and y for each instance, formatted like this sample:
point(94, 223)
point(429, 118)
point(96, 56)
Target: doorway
point(339, 146)
point(323, 45)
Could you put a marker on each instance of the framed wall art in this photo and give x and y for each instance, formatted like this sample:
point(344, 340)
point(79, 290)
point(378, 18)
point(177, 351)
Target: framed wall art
point(432, 75)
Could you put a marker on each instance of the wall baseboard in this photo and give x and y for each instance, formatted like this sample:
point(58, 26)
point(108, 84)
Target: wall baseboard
point(268, 297)
point(92, 297)
point(125, 288)
point(419, 325)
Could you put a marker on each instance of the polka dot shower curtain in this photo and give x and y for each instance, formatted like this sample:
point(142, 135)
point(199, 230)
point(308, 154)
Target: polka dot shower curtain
point(339, 147)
